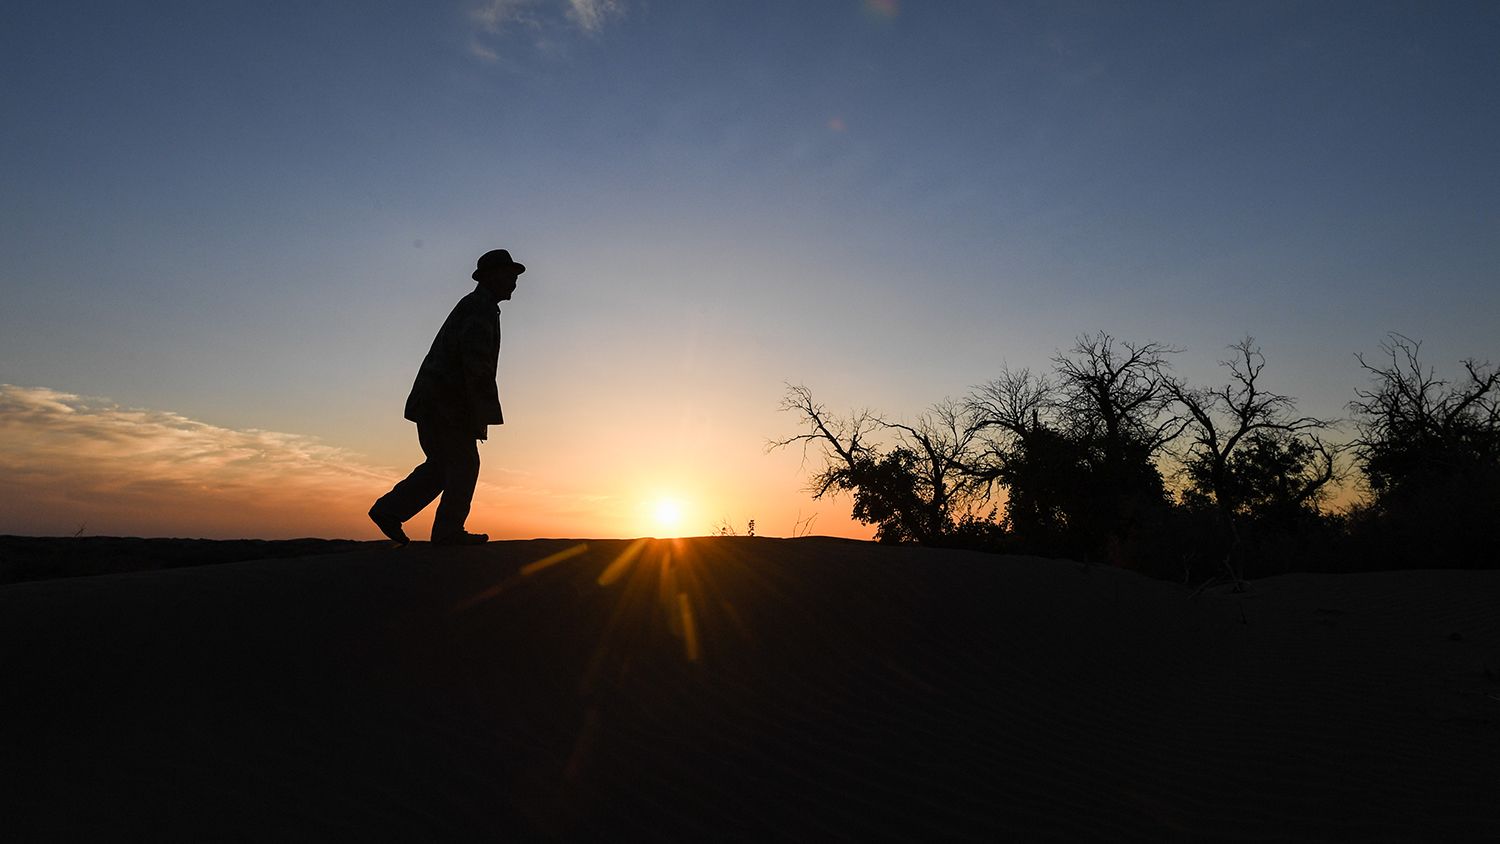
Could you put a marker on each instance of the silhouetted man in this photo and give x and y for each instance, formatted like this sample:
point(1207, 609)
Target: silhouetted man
point(453, 402)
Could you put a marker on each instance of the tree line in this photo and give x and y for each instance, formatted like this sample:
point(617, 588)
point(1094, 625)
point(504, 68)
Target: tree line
point(1108, 456)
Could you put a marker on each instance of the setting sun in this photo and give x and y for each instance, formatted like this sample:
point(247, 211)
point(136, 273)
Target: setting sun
point(667, 513)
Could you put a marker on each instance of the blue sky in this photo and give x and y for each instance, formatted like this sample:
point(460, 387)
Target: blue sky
point(255, 215)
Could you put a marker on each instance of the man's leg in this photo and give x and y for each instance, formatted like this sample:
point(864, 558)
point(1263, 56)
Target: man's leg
point(460, 465)
point(408, 497)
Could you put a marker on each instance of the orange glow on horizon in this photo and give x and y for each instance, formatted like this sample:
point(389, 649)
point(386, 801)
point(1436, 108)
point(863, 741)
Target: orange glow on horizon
point(89, 467)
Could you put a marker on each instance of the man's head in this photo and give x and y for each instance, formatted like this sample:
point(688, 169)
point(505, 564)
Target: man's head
point(497, 273)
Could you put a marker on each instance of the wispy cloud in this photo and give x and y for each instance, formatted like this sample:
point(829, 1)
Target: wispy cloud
point(543, 21)
point(496, 15)
point(483, 53)
point(591, 15)
point(67, 460)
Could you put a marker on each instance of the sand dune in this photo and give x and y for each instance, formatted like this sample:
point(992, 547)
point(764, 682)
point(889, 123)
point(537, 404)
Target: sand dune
point(745, 688)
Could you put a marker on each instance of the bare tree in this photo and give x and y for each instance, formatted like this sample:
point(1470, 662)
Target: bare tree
point(1112, 402)
point(944, 440)
point(910, 489)
point(1430, 450)
point(1221, 421)
point(1006, 414)
point(844, 442)
point(1415, 429)
point(1240, 425)
point(1076, 449)
point(1013, 402)
point(1114, 393)
point(1022, 449)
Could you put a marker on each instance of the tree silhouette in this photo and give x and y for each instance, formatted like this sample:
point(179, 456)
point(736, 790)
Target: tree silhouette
point(1042, 469)
point(1075, 455)
point(1417, 431)
point(939, 450)
point(910, 491)
point(1076, 450)
point(844, 442)
point(1247, 455)
point(1113, 402)
point(1430, 451)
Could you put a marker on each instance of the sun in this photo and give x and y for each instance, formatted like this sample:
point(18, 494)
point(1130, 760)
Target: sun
point(668, 514)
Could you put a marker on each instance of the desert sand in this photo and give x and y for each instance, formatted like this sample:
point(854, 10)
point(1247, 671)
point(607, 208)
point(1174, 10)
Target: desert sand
point(749, 688)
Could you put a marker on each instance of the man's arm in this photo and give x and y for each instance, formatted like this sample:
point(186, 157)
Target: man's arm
point(478, 357)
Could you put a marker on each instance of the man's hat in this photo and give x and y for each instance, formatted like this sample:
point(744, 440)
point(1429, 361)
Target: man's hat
point(496, 261)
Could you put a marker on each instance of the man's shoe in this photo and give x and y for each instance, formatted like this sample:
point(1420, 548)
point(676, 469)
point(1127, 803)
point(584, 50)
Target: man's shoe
point(460, 538)
point(390, 526)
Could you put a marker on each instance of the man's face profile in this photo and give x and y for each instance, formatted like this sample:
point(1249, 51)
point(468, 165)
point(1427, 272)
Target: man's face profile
point(501, 284)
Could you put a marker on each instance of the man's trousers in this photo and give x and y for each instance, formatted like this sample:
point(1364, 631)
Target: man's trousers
point(450, 470)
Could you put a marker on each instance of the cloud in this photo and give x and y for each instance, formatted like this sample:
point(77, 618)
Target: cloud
point(483, 53)
point(67, 460)
point(496, 15)
point(545, 21)
point(590, 15)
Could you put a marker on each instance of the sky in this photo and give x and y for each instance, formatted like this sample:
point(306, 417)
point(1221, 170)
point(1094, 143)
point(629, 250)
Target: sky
point(228, 232)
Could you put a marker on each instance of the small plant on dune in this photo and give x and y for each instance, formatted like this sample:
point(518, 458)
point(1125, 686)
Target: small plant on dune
point(725, 528)
point(803, 527)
